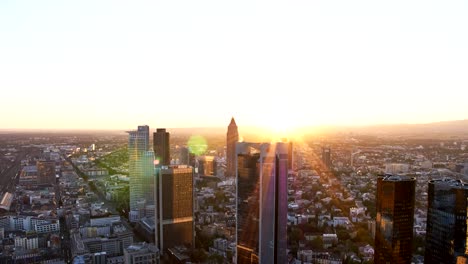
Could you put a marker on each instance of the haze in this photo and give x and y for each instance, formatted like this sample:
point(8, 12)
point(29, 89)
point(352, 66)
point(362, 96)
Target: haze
point(273, 64)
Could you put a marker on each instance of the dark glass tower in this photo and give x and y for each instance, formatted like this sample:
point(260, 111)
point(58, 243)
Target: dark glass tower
point(262, 171)
point(446, 231)
point(231, 139)
point(326, 157)
point(174, 207)
point(161, 146)
point(394, 221)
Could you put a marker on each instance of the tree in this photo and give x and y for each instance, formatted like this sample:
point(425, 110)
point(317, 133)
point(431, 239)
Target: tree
point(342, 234)
point(198, 255)
point(216, 259)
point(317, 243)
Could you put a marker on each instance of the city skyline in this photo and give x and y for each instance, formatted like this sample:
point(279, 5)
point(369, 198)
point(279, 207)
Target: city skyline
point(86, 65)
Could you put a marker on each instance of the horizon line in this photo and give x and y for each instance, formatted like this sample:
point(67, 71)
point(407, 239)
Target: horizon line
point(223, 127)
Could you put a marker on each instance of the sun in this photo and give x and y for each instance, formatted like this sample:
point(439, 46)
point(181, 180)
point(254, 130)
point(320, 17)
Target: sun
point(280, 125)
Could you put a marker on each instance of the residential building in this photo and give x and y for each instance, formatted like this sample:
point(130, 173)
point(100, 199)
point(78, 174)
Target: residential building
point(141, 254)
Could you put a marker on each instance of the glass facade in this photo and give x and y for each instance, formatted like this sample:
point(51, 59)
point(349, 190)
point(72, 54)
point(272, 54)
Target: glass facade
point(262, 171)
point(395, 218)
point(174, 207)
point(446, 232)
point(141, 171)
point(161, 146)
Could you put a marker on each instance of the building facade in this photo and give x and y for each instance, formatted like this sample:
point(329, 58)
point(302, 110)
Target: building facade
point(326, 157)
point(232, 138)
point(446, 231)
point(141, 254)
point(395, 218)
point(141, 172)
point(161, 147)
point(262, 171)
point(174, 207)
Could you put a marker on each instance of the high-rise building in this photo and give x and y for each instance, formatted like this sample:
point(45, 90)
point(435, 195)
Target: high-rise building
point(394, 221)
point(174, 207)
point(45, 172)
point(326, 157)
point(206, 165)
point(290, 152)
point(231, 139)
point(446, 232)
point(161, 146)
point(141, 172)
point(290, 156)
point(262, 171)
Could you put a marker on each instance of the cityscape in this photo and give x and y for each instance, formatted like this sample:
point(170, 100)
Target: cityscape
point(160, 197)
point(233, 132)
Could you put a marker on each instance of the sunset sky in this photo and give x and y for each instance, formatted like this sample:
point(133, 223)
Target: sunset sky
point(275, 64)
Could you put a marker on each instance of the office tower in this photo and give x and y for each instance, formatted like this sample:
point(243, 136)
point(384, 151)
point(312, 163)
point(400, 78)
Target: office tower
point(161, 146)
point(262, 171)
point(45, 172)
point(141, 254)
point(326, 157)
point(186, 157)
point(206, 165)
point(174, 207)
point(141, 172)
point(290, 152)
point(231, 140)
point(394, 221)
point(446, 232)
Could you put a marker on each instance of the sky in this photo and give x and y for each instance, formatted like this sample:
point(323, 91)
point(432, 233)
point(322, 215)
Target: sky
point(273, 64)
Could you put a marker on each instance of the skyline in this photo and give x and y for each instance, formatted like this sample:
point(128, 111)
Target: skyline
point(277, 65)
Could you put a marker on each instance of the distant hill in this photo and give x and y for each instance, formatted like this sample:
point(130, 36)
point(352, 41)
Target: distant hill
point(445, 129)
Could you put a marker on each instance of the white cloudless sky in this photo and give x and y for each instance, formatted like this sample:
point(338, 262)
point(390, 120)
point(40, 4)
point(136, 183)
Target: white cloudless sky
point(117, 64)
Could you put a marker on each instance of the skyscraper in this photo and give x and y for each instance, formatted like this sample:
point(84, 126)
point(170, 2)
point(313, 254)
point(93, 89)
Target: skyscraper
point(394, 221)
point(174, 207)
point(141, 172)
point(446, 232)
point(326, 157)
point(262, 171)
point(161, 146)
point(231, 139)
point(290, 156)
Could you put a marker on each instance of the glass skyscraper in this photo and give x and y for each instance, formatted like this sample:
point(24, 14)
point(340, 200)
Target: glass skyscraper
point(446, 232)
point(141, 172)
point(395, 218)
point(174, 207)
point(161, 146)
point(262, 171)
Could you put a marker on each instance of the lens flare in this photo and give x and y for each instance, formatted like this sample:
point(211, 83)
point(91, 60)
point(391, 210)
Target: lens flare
point(197, 145)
